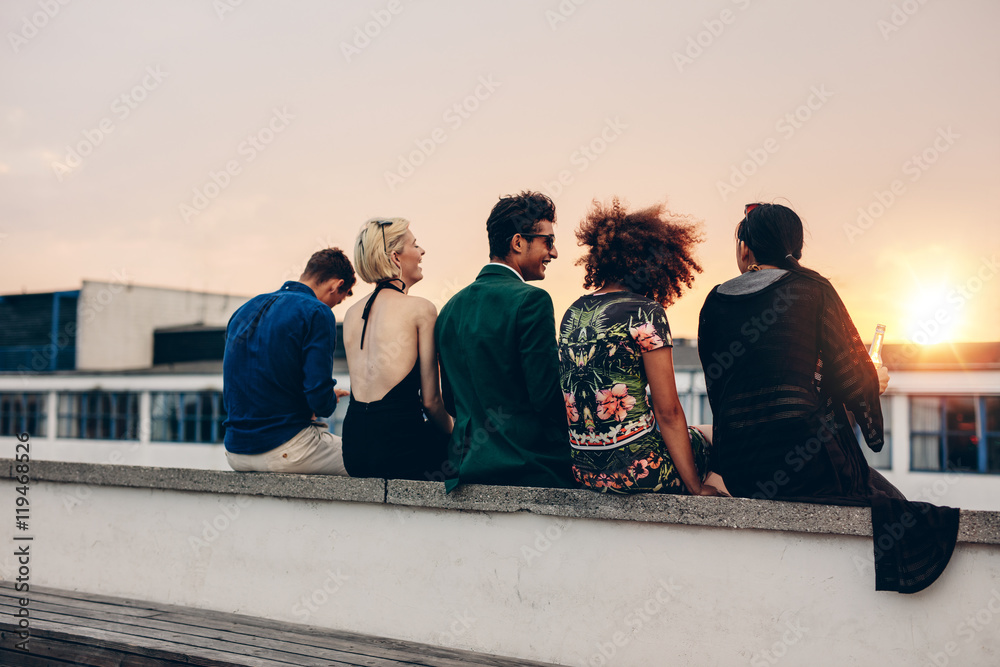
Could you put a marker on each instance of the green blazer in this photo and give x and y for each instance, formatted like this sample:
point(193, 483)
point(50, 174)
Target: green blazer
point(496, 340)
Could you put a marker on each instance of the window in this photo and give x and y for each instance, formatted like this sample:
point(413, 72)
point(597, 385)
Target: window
point(194, 416)
point(23, 413)
point(706, 409)
point(99, 415)
point(958, 433)
point(883, 459)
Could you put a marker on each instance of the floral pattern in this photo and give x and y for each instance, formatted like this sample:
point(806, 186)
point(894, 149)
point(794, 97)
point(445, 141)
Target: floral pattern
point(645, 335)
point(572, 414)
point(616, 447)
point(614, 403)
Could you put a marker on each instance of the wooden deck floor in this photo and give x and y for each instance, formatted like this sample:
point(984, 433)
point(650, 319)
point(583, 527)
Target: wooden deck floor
point(70, 628)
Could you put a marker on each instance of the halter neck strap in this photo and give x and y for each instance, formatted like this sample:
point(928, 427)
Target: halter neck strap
point(382, 284)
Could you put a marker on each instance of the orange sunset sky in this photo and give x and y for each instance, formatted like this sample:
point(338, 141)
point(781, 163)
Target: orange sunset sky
point(215, 145)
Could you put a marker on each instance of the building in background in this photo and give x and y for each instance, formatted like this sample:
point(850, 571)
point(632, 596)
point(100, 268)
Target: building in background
point(115, 373)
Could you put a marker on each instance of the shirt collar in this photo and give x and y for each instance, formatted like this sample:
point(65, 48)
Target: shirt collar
point(296, 286)
point(519, 276)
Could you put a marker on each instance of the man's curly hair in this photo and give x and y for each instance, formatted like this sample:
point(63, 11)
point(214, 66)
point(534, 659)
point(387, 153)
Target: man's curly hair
point(648, 251)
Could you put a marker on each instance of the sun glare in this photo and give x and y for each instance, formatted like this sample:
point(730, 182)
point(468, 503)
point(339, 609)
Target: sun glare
point(933, 315)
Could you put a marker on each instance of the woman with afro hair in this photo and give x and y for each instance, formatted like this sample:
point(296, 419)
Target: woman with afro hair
point(615, 341)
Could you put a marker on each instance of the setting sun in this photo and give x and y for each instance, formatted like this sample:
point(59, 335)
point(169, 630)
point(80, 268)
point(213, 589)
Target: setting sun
point(933, 315)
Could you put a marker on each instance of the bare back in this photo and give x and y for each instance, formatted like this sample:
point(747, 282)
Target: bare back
point(391, 345)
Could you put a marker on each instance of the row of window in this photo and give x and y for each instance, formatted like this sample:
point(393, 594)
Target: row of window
point(195, 416)
point(958, 433)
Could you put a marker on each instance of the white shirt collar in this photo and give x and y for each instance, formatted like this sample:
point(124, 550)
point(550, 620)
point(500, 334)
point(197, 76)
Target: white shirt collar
point(519, 276)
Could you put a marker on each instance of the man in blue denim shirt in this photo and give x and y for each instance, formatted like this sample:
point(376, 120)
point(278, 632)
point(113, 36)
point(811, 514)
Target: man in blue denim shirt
point(278, 373)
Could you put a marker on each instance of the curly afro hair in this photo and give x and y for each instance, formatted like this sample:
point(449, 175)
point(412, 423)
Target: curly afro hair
point(648, 251)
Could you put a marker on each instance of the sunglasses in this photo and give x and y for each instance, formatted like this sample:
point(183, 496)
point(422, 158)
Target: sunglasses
point(749, 207)
point(550, 239)
point(382, 225)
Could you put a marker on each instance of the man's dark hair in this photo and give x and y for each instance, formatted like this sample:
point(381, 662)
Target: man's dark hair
point(330, 263)
point(516, 214)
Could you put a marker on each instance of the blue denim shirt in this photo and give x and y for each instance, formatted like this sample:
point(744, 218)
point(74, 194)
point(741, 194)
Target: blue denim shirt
point(278, 368)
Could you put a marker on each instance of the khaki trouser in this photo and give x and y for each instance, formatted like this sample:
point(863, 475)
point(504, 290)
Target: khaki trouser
point(313, 450)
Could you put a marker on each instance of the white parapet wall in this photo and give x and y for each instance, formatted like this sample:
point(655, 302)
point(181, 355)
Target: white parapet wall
point(565, 576)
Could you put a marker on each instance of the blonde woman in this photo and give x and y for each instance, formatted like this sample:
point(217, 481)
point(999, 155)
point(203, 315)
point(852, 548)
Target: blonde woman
point(396, 425)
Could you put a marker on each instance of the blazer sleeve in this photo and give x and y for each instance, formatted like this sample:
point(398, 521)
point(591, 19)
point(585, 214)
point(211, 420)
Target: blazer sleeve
point(848, 372)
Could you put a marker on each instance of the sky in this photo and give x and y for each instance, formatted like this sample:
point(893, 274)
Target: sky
point(215, 145)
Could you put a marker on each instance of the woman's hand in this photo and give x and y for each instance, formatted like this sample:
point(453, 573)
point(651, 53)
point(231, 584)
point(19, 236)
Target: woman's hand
point(341, 393)
point(883, 379)
point(709, 490)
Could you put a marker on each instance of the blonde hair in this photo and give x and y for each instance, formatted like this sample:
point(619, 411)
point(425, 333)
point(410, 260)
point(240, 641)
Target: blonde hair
point(372, 254)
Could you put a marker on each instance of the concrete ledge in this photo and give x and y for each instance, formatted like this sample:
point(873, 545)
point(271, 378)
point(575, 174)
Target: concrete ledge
point(740, 513)
point(312, 487)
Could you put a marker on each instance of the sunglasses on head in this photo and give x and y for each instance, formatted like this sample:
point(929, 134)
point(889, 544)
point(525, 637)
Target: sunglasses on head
point(749, 207)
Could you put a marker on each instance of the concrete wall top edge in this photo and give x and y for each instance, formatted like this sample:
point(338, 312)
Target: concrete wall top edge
point(736, 513)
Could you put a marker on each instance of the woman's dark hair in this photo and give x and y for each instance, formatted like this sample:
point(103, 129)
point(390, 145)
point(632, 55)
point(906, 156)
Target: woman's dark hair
point(516, 214)
point(774, 234)
point(648, 251)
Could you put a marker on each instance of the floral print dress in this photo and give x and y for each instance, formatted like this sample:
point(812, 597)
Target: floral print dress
point(616, 445)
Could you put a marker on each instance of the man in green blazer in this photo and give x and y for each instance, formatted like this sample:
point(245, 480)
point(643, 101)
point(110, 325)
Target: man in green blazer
point(499, 363)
